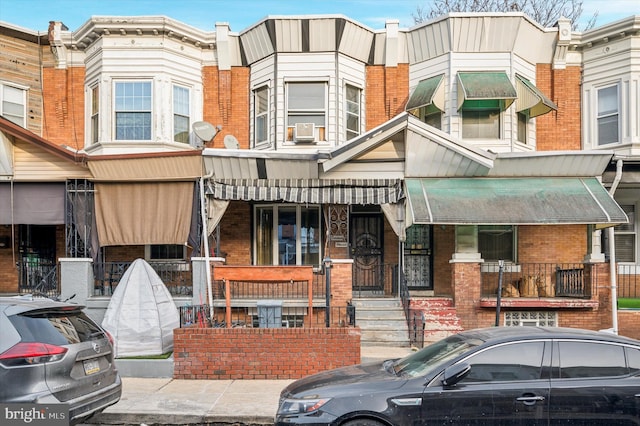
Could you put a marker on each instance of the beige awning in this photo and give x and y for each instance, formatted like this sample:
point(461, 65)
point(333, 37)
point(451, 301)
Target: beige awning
point(427, 92)
point(143, 213)
point(140, 169)
point(485, 88)
point(531, 98)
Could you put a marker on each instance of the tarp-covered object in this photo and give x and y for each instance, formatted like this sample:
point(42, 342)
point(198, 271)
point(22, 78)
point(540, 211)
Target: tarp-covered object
point(141, 315)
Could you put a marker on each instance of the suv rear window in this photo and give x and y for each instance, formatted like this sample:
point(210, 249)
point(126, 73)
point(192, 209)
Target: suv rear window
point(56, 328)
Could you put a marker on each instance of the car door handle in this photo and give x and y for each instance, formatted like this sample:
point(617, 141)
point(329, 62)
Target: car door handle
point(530, 400)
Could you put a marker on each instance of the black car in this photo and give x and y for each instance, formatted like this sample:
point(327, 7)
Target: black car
point(52, 353)
point(490, 376)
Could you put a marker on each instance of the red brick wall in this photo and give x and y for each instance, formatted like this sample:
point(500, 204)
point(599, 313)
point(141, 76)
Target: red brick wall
point(226, 103)
point(250, 353)
point(235, 233)
point(552, 243)
point(559, 130)
point(629, 323)
point(63, 93)
point(8, 259)
point(387, 93)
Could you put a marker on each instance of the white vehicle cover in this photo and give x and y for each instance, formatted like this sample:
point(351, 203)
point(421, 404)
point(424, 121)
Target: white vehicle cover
point(141, 315)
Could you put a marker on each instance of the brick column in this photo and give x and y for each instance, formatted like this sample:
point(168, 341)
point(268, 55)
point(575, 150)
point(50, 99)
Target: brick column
point(466, 292)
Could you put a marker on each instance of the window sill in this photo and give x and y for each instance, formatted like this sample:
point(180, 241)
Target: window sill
point(543, 302)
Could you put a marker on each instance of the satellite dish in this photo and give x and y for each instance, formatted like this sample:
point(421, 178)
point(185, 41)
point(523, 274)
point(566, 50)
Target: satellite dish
point(230, 142)
point(204, 130)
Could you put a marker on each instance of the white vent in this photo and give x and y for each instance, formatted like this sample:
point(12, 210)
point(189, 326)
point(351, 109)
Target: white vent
point(305, 132)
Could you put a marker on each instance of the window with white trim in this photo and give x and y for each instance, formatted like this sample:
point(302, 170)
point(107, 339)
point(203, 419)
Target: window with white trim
point(13, 105)
point(307, 106)
point(261, 115)
point(133, 110)
point(625, 236)
point(531, 318)
point(287, 235)
point(181, 114)
point(95, 113)
point(497, 242)
point(352, 111)
point(481, 123)
point(523, 122)
point(608, 115)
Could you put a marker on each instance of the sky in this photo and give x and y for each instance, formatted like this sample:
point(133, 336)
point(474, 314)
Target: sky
point(241, 14)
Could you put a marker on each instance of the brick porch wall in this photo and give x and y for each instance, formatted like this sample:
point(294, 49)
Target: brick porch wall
point(265, 353)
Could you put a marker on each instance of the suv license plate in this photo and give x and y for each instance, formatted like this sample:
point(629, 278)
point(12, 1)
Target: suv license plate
point(91, 366)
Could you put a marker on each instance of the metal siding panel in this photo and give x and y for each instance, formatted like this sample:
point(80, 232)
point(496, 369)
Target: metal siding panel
point(256, 43)
point(356, 41)
point(288, 35)
point(322, 35)
point(34, 164)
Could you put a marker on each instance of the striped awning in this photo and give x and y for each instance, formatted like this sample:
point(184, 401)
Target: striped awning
point(311, 191)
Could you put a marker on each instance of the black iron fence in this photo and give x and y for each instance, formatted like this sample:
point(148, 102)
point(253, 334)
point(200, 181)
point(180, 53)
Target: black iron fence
point(38, 276)
point(628, 281)
point(375, 279)
point(266, 315)
point(176, 276)
point(537, 280)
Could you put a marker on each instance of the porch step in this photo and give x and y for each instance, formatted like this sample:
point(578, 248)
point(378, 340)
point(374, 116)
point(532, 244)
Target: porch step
point(441, 319)
point(382, 322)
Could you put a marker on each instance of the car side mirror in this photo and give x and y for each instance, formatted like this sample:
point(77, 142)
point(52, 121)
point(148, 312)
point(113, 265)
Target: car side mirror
point(452, 375)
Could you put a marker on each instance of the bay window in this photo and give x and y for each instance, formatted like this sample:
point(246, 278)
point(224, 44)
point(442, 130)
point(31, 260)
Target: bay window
point(261, 114)
point(608, 116)
point(352, 120)
point(181, 114)
point(306, 111)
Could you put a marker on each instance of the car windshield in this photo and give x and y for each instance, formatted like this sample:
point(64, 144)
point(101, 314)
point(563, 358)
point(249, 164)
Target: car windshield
point(433, 356)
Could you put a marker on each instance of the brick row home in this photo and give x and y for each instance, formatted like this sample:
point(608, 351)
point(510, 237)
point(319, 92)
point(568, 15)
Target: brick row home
point(461, 169)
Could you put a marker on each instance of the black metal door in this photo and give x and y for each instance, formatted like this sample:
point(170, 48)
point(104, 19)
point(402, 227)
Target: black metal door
point(417, 258)
point(367, 252)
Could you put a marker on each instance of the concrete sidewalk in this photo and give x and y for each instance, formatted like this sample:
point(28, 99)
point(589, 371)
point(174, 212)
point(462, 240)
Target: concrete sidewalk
point(164, 401)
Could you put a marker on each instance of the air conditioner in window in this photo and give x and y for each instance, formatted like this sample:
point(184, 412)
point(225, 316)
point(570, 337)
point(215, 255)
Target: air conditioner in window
point(305, 132)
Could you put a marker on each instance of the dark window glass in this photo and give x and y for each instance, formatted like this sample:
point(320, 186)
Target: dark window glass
point(56, 328)
point(633, 359)
point(511, 362)
point(590, 359)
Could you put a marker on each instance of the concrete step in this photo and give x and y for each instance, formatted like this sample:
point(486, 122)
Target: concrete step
point(382, 322)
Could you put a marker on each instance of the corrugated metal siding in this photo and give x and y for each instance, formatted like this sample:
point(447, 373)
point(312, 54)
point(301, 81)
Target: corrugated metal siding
point(356, 41)
point(429, 41)
point(484, 34)
point(322, 35)
point(288, 34)
point(256, 43)
point(34, 164)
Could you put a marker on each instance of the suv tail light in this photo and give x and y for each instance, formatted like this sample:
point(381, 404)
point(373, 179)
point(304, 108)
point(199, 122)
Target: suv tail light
point(30, 353)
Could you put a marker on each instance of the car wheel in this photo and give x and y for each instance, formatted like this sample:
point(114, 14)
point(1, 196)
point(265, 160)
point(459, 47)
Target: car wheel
point(363, 422)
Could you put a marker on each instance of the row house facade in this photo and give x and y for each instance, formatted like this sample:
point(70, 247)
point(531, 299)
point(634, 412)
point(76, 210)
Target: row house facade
point(469, 162)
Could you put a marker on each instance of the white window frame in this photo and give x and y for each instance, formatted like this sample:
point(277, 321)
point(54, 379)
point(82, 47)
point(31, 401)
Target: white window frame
point(275, 240)
point(148, 110)
point(6, 98)
point(605, 115)
point(94, 113)
point(531, 318)
point(353, 111)
point(627, 229)
point(261, 116)
point(316, 114)
point(181, 114)
point(471, 130)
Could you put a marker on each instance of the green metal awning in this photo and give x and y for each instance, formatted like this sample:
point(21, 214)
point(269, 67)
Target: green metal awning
point(531, 98)
point(427, 92)
point(482, 86)
point(523, 201)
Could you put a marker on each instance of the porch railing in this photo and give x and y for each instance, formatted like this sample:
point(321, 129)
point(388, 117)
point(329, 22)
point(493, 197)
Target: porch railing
point(628, 281)
point(176, 276)
point(38, 276)
point(270, 289)
point(375, 280)
point(272, 316)
point(537, 280)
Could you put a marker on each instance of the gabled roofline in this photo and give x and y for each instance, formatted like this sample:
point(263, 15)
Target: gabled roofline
point(23, 134)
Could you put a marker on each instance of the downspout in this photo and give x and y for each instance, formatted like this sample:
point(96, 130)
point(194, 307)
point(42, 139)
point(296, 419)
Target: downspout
point(205, 236)
point(612, 255)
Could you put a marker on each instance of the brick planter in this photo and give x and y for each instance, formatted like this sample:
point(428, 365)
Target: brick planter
point(262, 353)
